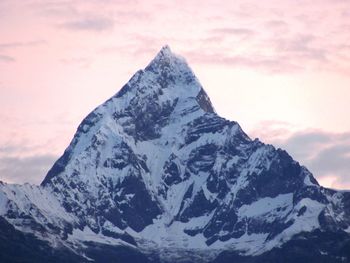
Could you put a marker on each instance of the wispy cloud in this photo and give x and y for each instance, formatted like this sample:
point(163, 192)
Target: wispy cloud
point(300, 47)
point(233, 31)
point(29, 169)
point(10, 45)
point(266, 63)
point(326, 154)
point(55, 8)
point(96, 24)
point(263, 37)
point(275, 24)
point(6, 59)
point(10, 149)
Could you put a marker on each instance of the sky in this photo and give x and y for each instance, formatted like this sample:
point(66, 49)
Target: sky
point(281, 68)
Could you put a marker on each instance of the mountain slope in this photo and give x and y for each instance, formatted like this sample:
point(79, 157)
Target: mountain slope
point(154, 169)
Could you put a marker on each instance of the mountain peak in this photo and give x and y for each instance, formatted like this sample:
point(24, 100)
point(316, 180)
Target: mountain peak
point(167, 56)
point(166, 79)
point(166, 51)
point(166, 60)
point(155, 170)
point(172, 71)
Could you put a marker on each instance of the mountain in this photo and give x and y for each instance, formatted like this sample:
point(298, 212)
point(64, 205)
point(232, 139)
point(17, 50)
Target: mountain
point(154, 174)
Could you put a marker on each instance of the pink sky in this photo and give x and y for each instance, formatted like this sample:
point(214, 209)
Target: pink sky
point(279, 68)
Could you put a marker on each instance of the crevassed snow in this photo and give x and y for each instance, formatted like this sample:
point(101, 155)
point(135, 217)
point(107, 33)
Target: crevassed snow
point(347, 230)
point(88, 235)
point(270, 208)
point(35, 201)
point(163, 234)
point(306, 222)
point(246, 244)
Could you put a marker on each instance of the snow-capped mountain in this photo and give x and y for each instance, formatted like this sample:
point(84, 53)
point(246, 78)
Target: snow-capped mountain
point(155, 175)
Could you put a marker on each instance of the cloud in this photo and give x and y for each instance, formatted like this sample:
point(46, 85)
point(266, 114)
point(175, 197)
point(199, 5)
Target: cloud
point(96, 24)
point(10, 45)
point(233, 31)
point(276, 24)
point(306, 144)
point(260, 35)
point(55, 8)
point(271, 130)
point(266, 63)
point(94, 15)
point(257, 36)
point(325, 154)
point(301, 47)
point(6, 59)
point(8, 149)
point(334, 159)
point(29, 169)
point(269, 47)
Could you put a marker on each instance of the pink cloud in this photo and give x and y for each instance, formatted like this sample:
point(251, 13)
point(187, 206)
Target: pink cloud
point(6, 59)
point(91, 24)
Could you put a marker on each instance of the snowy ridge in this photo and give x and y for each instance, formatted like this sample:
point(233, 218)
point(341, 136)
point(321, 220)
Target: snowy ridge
point(155, 169)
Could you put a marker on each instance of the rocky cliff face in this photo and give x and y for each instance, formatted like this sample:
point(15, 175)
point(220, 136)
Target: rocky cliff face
point(156, 173)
